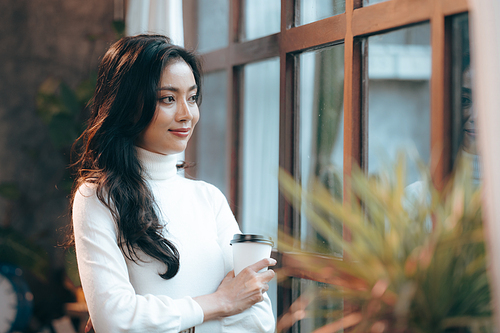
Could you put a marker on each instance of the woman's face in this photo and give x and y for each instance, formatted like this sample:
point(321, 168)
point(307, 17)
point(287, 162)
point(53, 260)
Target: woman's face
point(468, 113)
point(176, 111)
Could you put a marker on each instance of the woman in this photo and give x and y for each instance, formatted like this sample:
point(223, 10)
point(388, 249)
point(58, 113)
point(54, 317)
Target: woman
point(153, 247)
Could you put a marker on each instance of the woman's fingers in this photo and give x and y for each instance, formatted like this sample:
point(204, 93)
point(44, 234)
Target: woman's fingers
point(89, 326)
point(250, 273)
point(262, 264)
point(236, 294)
point(267, 275)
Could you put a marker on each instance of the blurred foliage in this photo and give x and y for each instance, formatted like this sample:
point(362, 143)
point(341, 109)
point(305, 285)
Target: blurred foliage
point(414, 263)
point(119, 28)
point(64, 109)
point(15, 249)
point(9, 191)
point(71, 267)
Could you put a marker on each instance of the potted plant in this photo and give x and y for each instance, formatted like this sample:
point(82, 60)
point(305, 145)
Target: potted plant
point(414, 263)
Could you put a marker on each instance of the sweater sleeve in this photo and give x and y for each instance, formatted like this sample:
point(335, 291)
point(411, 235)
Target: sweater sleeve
point(111, 299)
point(258, 318)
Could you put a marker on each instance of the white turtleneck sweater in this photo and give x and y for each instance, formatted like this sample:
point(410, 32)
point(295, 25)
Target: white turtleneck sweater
point(127, 296)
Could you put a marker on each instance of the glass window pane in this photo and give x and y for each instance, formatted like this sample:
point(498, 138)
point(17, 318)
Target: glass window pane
point(213, 25)
point(262, 18)
point(261, 147)
point(315, 10)
point(321, 133)
point(464, 114)
point(211, 141)
point(322, 309)
point(399, 70)
point(261, 153)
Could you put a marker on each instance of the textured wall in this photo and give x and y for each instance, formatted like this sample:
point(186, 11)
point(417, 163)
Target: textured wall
point(41, 38)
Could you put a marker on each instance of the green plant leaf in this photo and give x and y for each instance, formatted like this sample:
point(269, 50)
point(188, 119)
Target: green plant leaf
point(18, 250)
point(62, 130)
point(85, 90)
point(69, 99)
point(71, 266)
point(119, 27)
point(9, 190)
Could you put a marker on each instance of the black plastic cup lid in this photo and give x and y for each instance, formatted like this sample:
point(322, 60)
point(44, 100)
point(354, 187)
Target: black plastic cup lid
point(241, 238)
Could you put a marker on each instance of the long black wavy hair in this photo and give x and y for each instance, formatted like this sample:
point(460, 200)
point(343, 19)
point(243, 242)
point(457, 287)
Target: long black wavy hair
point(124, 104)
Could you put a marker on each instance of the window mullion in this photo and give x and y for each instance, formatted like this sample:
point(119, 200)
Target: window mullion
point(286, 141)
point(440, 115)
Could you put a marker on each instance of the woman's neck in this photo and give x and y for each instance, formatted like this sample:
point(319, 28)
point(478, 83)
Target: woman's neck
point(157, 166)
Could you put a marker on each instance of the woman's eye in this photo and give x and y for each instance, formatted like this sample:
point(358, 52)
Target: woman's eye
point(466, 101)
point(193, 99)
point(167, 99)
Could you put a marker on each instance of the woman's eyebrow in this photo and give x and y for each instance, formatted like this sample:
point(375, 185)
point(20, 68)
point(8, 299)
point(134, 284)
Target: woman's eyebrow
point(175, 89)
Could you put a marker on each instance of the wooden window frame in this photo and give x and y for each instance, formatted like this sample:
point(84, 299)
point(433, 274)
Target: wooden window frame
point(350, 28)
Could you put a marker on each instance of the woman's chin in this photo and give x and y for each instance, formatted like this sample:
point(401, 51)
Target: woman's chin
point(469, 146)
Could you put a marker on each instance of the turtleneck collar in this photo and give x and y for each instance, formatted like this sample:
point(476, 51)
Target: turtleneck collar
point(157, 166)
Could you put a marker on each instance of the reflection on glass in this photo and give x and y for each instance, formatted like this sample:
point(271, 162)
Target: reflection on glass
point(315, 10)
point(399, 68)
point(321, 133)
point(323, 309)
point(464, 114)
point(261, 153)
point(211, 141)
point(372, 2)
point(261, 147)
point(213, 24)
point(262, 18)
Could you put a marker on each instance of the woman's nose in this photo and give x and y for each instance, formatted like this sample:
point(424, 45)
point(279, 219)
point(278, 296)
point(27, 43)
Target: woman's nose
point(184, 112)
point(473, 114)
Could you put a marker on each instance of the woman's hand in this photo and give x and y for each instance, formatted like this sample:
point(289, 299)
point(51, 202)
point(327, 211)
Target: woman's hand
point(89, 327)
point(236, 294)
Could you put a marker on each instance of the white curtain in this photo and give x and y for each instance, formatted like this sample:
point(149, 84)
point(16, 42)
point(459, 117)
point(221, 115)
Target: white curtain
point(485, 29)
point(156, 16)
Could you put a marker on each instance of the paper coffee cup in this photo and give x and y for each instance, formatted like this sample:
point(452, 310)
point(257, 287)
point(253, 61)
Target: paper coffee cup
point(248, 249)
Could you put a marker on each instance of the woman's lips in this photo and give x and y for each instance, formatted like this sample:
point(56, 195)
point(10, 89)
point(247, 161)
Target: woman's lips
point(470, 132)
point(180, 132)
